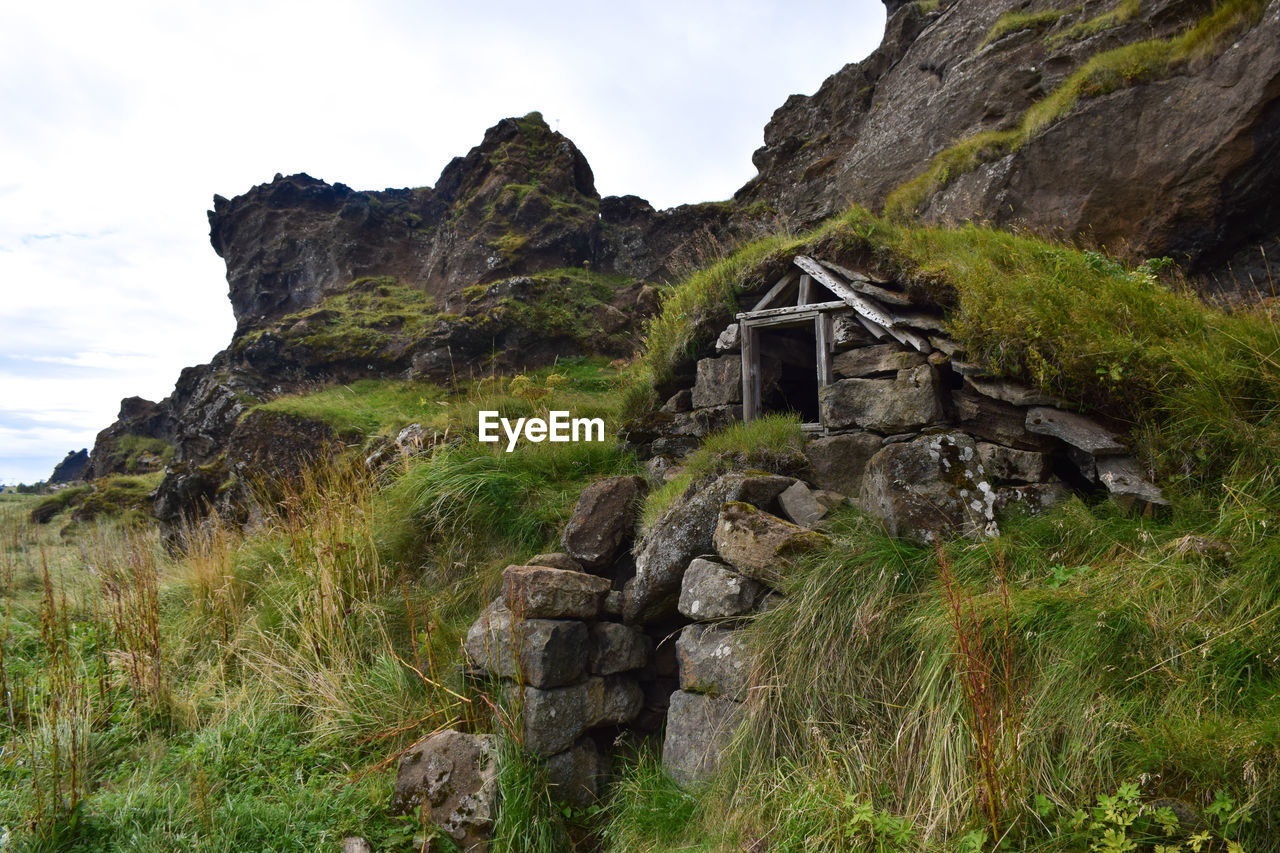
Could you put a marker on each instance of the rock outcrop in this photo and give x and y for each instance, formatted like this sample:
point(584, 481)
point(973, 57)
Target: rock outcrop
point(1153, 159)
point(72, 467)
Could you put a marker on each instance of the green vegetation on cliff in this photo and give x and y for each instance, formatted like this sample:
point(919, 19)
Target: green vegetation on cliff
point(1105, 72)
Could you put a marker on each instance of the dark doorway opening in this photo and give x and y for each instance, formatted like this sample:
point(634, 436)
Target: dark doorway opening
point(789, 370)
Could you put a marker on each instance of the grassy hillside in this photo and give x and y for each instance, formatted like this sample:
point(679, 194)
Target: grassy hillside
point(1066, 686)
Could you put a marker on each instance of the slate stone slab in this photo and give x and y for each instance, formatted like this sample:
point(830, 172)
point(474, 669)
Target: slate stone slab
point(1076, 430)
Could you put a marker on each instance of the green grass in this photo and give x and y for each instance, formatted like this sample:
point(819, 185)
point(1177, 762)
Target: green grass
point(366, 406)
point(128, 451)
point(1124, 11)
point(1102, 74)
point(772, 443)
point(1013, 22)
point(1130, 659)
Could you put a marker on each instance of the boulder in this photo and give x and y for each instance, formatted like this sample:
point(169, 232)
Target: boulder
point(684, 531)
point(713, 660)
point(930, 487)
point(539, 652)
point(535, 592)
point(1006, 463)
point(555, 560)
point(837, 461)
point(719, 382)
point(878, 359)
point(800, 505)
point(715, 591)
point(577, 775)
point(602, 520)
point(907, 402)
point(452, 777)
point(761, 545)
point(699, 727)
point(614, 648)
point(1076, 430)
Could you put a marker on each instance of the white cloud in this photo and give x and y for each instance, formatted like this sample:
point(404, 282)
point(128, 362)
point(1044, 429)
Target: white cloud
point(122, 120)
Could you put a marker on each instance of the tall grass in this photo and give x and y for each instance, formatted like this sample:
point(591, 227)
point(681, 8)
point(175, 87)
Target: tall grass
point(1109, 653)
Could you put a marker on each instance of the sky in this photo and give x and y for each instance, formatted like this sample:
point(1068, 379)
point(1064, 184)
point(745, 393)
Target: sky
point(120, 121)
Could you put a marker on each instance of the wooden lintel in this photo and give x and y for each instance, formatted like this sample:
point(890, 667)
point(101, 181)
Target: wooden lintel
point(791, 312)
point(774, 292)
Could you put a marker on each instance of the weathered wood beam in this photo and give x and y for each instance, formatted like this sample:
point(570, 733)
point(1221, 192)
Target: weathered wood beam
point(863, 305)
point(793, 312)
point(774, 292)
point(863, 284)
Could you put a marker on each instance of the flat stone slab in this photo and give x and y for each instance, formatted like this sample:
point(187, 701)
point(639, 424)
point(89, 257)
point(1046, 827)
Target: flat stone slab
point(1123, 479)
point(1076, 430)
point(1013, 393)
point(537, 592)
point(699, 728)
point(715, 591)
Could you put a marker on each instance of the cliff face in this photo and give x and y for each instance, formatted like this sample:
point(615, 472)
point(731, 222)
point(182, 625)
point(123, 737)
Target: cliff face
point(1151, 128)
point(511, 260)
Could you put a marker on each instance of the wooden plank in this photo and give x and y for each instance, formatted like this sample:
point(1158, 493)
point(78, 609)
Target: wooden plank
point(863, 284)
point(854, 300)
point(822, 328)
point(852, 275)
point(864, 306)
point(806, 290)
point(774, 292)
point(880, 332)
point(911, 339)
point(794, 312)
point(750, 373)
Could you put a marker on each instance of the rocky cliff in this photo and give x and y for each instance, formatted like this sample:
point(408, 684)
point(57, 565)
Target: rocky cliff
point(1151, 128)
point(511, 260)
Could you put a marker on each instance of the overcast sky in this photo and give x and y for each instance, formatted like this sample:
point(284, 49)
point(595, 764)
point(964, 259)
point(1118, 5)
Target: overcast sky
point(119, 121)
